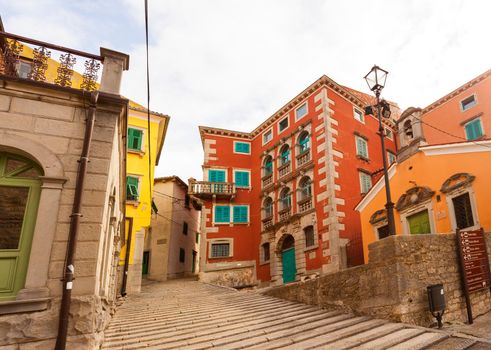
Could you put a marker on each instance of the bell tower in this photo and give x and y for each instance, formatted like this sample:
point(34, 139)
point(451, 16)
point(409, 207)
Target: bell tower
point(410, 133)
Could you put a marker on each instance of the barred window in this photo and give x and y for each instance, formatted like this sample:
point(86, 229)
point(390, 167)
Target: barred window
point(463, 211)
point(309, 236)
point(220, 250)
point(265, 251)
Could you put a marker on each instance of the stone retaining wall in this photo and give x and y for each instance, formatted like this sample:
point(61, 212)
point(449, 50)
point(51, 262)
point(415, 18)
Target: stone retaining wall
point(393, 284)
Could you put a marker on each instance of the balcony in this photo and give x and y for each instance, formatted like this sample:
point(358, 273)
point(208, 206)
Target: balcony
point(284, 169)
point(303, 158)
point(206, 189)
point(267, 223)
point(267, 180)
point(285, 214)
point(24, 59)
point(305, 204)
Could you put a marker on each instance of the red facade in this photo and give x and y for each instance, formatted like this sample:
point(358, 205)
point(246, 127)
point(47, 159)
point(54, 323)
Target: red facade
point(302, 201)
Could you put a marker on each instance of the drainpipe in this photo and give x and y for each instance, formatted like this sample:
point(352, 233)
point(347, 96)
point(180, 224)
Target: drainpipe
point(74, 225)
point(127, 256)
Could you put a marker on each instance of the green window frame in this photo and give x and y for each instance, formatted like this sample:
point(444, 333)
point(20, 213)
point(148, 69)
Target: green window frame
point(268, 166)
point(473, 129)
point(285, 156)
point(135, 139)
point(241, 214)
point(222, 214)
point(242, 147)
point(361, 147)
point(132, 188)
point(365, 182)
point(242, 178)
point(304, 142)
point(215, 175)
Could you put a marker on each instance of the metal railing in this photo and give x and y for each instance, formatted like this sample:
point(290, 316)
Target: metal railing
point(31, 59)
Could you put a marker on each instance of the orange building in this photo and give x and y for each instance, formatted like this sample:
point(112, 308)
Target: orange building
point(440, 178)
point(278, 201)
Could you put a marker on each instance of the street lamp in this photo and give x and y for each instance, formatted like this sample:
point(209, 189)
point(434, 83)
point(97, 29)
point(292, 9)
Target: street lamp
point(376, 82)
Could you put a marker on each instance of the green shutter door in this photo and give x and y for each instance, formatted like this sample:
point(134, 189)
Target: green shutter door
point(289, 266)
point(419, 223)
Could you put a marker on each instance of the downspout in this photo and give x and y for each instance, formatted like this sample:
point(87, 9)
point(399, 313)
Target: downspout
point(127, 255)
point(74, 225)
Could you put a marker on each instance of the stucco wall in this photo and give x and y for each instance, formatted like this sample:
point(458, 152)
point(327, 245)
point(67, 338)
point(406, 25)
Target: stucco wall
point(393, 284)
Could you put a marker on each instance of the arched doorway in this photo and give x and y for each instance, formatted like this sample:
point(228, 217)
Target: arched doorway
point(288, 259)
point(19, 198)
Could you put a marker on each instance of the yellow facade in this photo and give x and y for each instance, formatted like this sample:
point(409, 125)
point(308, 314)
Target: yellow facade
point(138, 166)
point(430, 168)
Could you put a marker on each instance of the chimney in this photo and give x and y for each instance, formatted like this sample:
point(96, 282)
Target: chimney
point(114, 64)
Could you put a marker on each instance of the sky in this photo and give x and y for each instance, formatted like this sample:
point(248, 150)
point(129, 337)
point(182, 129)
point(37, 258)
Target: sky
point(232, 64)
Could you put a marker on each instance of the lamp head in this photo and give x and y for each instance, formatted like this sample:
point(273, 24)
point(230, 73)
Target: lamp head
point(376, 78)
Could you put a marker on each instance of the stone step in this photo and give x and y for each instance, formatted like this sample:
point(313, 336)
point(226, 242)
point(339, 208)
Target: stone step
point(453, 344)
point(421, 341)
point(392, 339)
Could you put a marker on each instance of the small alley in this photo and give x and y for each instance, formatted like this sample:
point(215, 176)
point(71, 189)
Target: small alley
point(187, 314)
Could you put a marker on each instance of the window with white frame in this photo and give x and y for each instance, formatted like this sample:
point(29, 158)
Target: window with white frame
point(220, 249)
point(361, 147)
point(242, 178)
point(468, 102)
point(242, 147)
point(462, 209)
point(301, 111)
point(391, 157)
point(267, 136)
point(365, 181)
point(309, 236)
point(389, 134)
point(283, 124)
point(473, 129)
point(358, 114)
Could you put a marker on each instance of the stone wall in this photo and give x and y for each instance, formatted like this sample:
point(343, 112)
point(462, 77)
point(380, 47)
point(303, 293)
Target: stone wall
point(231, 276)
point(393, 284)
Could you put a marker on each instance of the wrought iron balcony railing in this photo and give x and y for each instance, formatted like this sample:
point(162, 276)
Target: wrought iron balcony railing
point(30, 59)
point(203, 189)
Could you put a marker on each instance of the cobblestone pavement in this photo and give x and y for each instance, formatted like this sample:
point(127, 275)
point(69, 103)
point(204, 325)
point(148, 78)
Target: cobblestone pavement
point(185, 314)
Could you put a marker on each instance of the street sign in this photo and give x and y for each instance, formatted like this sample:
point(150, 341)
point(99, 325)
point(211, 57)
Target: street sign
point(474, 264)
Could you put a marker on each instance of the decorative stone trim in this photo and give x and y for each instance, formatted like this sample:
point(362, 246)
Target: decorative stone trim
point(413, 197)
point(456, 181)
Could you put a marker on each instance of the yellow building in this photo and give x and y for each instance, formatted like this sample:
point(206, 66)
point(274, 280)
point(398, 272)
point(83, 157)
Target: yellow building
point(439, 189)
point(141, 162)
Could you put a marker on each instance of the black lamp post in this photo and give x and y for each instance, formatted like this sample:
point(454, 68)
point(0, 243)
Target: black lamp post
point(376, 82)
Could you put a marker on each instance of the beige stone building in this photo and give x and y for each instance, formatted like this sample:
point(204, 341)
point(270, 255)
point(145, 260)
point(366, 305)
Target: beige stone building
point(59, 139)
point(172, 247)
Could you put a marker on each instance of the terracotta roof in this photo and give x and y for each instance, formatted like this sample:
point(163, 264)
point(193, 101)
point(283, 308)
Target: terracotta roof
point(367, 99)
point(171, 178)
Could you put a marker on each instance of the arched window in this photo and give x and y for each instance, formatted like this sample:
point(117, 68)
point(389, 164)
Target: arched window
point(408, 129)
point(20, 188)
point(285, 198)
point(303, 142)
point(285, 155)
point(268, 207)
point(309, 236)
point(268, 165)
point(265, 252)
point(305, 188)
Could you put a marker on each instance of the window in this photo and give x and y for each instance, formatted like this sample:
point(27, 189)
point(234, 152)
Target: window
point(305, 188)
point(185, 228)
point(304, 142)
point(268, 207)
point(220, 250)
point(419, 223)
point(135, 137)
point(285, 199)
point(463, 211)
point(268, 165)
point(187, 200)
point(365, 182)
point(473, 129)
point(285, 155)
point(391, 157)
point(383, 231)
point(265, 252)
point(242, 147)
point(267, 136)
point(468, 103)
point(132, 188)
point(182, 255)
point(241, 178)
point(222, 214)
point(309, 236)
point(241, 214)
point(301, 111)
point(389, 134)
point(216, 175)
point(358, 114)
point(197, 237)
point(282, 125)
point(361, 147)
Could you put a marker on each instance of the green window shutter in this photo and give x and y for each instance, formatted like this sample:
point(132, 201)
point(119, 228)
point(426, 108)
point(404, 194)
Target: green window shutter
point(222, 213)
point(216, 175)
point(242, 178)
point(131, 188)
point(419, 223)
point(240, 214)
point(365, 182)
point(242, 147)
point(268, 167)
point(361, 147)
point(135, 139)
point(473, 130)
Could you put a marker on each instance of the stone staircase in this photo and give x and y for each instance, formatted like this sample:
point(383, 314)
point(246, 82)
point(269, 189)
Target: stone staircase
point(185, 314)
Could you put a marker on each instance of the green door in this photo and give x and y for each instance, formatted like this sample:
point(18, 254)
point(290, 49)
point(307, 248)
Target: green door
point(419, 223)
point(19, 198)
point(289, 266)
